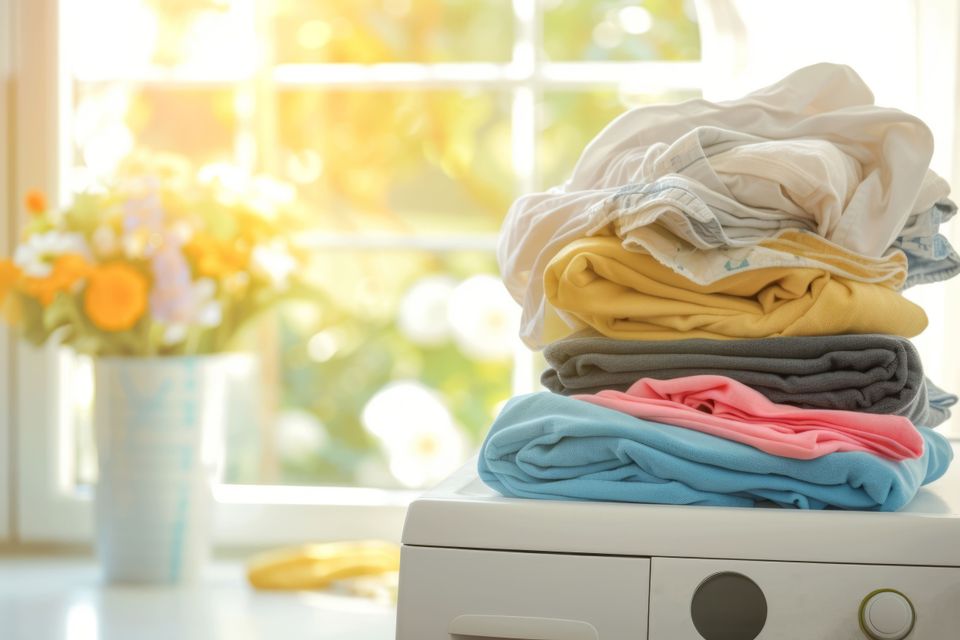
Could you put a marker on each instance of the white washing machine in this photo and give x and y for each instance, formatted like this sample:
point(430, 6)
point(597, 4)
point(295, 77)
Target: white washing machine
point(478, 566)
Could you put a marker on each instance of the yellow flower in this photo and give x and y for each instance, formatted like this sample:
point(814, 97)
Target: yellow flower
point(9, 277)
point(36, 202)
point(116, 297)
point(68, 270)
point(216, 259)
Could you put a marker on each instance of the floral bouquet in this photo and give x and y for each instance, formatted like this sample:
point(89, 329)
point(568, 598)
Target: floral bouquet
point(163, 261)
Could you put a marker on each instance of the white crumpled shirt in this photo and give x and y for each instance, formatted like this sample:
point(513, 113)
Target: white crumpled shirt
point(811, 152)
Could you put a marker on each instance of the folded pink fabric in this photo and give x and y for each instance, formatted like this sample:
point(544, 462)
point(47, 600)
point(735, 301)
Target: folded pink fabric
point(728, 409)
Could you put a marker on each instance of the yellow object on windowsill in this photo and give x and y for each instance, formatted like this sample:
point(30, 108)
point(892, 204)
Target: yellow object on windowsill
point(316, 566)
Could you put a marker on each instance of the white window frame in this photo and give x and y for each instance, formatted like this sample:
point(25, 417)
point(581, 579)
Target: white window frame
point(48, 509)
point(6, 225)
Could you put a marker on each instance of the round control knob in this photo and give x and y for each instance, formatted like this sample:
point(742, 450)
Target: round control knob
point(887, 614)
point(728, 606)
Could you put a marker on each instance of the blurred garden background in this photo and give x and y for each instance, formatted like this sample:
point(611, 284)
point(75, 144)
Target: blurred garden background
point(403, 129)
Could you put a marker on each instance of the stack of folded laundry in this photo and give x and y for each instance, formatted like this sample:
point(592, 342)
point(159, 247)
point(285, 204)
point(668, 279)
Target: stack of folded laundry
point(718, 291)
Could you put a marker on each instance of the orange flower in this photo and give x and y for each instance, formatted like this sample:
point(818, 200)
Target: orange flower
point(216, 259)
point(36, 202)
point(9, 277)
point(116, 297)
point(68, 270)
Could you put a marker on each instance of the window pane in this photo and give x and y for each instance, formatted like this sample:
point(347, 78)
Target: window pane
point(619, 30)
point(394, 377)
point(399, 161)
point(371, 31)
point(390, 381)
point(125, 37)
point(112, 120)
point(570, 119)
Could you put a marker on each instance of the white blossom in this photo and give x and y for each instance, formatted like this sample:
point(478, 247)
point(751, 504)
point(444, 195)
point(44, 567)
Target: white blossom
point(274, 263)
point(484, 319)
point(422, 442)
point(36, 254)
point(422, 316)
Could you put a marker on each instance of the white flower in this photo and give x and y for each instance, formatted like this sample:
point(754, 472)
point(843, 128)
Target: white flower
point(266, 195)
point(182, 232)
point(210, 314)
point(36, 254)
point(425, 455)
point(208, 310)
point(323, 345)
point(229, 179)
point(105, 241)
point(135, 244)
point(402, 399)
point(175, 333)
point(484, 318)
point(422, 442)
point(234, 185)
point(273, 262)
point(299, 433)
point(422, 316)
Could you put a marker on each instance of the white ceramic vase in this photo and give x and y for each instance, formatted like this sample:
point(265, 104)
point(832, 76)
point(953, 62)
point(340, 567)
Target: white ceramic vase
point(160, 429)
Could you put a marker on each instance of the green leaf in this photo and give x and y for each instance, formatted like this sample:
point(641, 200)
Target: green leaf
point(60, 313)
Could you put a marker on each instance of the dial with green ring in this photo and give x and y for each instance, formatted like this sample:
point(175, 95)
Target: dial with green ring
point(886, 614)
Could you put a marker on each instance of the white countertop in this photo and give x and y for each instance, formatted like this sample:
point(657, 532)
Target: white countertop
point(61, 598)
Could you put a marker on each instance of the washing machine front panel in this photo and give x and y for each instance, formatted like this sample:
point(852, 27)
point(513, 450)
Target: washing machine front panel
point(454, 594)
point(801, 601)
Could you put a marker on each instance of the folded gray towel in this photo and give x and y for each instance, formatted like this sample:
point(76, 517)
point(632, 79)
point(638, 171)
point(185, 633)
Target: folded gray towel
point(870, 373)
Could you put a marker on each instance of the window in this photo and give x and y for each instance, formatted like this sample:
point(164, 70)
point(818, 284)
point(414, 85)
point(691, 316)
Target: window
point(408, 127)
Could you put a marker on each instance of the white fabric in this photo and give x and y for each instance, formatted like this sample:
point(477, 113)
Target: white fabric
point(809, 152)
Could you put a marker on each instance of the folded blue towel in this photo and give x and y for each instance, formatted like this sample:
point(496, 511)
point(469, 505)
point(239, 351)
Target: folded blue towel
point(545, 445)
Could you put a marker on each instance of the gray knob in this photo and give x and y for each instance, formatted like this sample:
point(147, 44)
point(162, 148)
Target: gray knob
point(886, 614)
point(728, 606)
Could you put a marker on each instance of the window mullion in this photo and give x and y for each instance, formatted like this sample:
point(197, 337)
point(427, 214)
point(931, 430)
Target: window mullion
point(486, 242)
point(639, 76)
point(524, 131)
point(258, 128)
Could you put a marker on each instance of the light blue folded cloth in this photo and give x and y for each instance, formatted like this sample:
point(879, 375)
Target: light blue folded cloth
point(549, 446)
point(930, 256)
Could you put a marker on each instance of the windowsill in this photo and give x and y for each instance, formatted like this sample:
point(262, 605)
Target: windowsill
point(62, 598)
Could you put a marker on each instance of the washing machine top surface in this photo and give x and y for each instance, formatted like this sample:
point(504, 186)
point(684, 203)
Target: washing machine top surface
point(463, 512)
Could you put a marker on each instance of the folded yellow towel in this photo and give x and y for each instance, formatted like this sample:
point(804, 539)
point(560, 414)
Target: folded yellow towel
point(629, 295)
